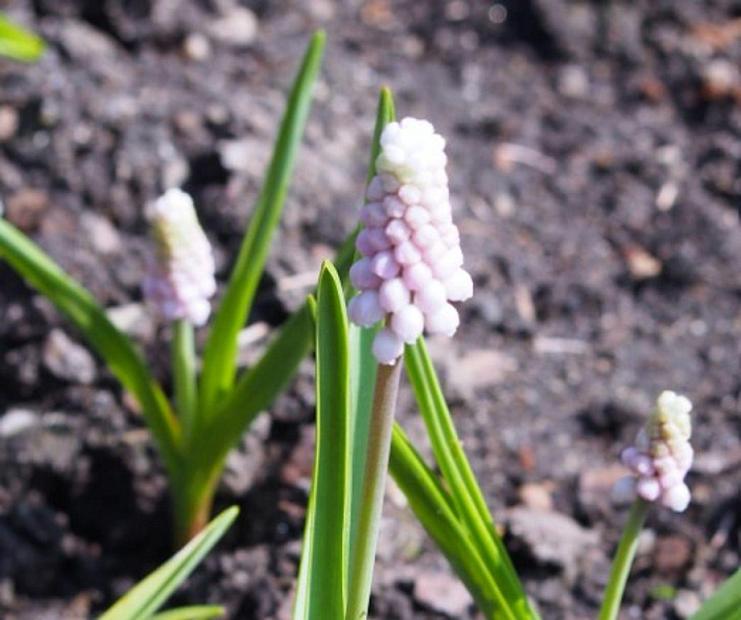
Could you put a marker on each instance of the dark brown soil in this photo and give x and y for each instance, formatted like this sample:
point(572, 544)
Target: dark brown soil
point(595, 152)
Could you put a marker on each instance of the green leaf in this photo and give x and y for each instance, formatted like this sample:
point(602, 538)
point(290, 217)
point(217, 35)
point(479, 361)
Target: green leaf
point(183, 367)
point(220, 353)
point(434, 508)
point(725, 603)
point(119, 353)
point(146, 597)
point(324, 580)
point(256, 389)
point(362, 363)
point(18, 43)
point(464, 490)
point(194, 612)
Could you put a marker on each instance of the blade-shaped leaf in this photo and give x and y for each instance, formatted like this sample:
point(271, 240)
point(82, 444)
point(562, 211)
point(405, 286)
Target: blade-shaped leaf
point(220, 353)
point(725, 603)
point(193, 612)
point(146, 597)
point(324, 579)
point(18, 43)
point(464, 490)
point(119, 353)
point(434, 508)
point(257, 388)
point(362, 363)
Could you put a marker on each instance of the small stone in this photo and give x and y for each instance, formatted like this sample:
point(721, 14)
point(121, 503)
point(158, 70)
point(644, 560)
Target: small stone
point(102, 234)
point(686, 603)
point(551, 537)
point(641, 264)
point(67, 360)
point(442, 593)
point(536, 495)
point(8, 123)
point(234, 154)
point(16, 421)
point(478, 369)
point(720, 78)
point(237, 27)
point(196, 47)
point(244, 464)
point(25, 208)
point(573, 82)
point(672, 554)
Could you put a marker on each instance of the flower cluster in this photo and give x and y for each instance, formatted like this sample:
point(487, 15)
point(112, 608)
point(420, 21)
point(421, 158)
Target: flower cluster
point(181, 278)
point(662, 454)
point(411, 265)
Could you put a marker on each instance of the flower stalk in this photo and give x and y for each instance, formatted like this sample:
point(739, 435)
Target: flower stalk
point(374, 482)
point(624, 556)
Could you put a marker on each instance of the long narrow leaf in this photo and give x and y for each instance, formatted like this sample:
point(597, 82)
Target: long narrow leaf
point(193, 612)
point(257, 389)
point(146, 597)
point(220, 354)
point(362, 363)
point(326, 582)
point(456, 470)
point(119, 353)
point(18, 43)
point(725, 603)
point(434, 508)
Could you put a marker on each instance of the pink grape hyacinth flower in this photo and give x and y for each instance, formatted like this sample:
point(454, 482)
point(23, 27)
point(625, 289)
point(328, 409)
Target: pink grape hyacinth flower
point(662, 454)
point(181, 278)
point(412, 264)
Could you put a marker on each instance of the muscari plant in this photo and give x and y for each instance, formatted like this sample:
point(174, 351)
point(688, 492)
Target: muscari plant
point(407, 270)
point(209, 410)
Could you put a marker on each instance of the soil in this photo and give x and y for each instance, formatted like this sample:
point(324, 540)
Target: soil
point(595, 151)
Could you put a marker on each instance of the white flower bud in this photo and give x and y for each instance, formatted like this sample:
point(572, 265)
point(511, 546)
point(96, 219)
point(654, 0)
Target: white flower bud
point(387, 346)
point(181, 279)
point(662, 454)
point(409, 243)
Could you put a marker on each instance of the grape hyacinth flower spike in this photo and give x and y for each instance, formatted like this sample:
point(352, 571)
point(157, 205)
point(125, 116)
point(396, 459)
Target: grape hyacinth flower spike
point(181, 278)
point(662, 454)
point(412, 264)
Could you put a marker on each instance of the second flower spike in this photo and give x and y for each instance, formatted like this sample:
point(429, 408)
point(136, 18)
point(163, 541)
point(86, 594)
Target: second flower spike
point(412, 264)
point(181, 278)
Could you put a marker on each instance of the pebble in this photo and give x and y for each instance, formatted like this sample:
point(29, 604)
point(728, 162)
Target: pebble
point(196, 47)
point(237, 27)
point(245, 464)
point(26, 207)
point(686, 603)
point(442, 593)
point(16, 421)
point(67, 360)
point(672, 554)
point(551, 537)
point(8, 123)
point(573, 82)
point(103, 236)
point(641, 264)
point(536, 495)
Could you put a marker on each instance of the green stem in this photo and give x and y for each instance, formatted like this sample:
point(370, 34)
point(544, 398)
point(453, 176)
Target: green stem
point(193, 498)
point(623, 560)
point(374, 481)
point(184, 374)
